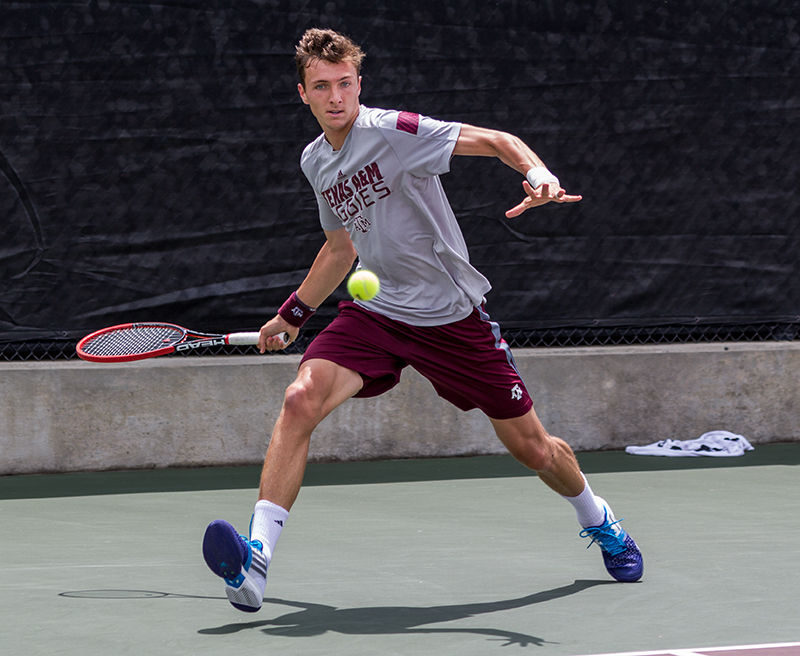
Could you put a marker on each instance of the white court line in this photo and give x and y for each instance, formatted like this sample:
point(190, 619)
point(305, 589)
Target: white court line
point(60, 566)
point(764, 646)
point(699, 651)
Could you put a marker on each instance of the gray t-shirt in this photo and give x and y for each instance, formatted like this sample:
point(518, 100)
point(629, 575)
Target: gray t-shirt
point(383, 186)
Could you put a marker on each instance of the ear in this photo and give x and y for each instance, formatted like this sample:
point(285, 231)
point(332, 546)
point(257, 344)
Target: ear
point(302, 91)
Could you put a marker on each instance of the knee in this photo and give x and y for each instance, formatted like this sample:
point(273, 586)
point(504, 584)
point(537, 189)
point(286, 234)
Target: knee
point(534, 456)
point(538, 453)
point(299, 401)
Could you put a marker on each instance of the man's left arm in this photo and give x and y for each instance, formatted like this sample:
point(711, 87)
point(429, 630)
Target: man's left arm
point(540, 185)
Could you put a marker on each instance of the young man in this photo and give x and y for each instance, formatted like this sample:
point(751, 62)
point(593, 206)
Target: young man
point(375, 174)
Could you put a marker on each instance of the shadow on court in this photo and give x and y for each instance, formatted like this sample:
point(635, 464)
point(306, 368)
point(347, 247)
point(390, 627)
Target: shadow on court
point(317, 619)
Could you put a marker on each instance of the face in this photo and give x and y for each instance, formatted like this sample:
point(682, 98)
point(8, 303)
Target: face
point(331, 91)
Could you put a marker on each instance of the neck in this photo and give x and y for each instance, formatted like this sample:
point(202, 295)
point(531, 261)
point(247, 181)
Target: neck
point(336, 138)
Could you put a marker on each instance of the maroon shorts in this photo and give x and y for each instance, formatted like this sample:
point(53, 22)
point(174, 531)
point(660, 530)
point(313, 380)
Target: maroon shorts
point(467, 361)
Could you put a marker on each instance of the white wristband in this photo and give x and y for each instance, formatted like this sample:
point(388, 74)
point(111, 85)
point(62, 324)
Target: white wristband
point(539, 175)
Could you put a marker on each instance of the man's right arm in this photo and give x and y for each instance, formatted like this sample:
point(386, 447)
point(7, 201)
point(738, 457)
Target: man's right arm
point(330, 267)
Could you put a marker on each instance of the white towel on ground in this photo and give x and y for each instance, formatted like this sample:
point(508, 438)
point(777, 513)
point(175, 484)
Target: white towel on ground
point(717, 443)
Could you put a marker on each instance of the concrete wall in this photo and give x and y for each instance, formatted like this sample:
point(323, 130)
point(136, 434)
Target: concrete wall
point(68, 416)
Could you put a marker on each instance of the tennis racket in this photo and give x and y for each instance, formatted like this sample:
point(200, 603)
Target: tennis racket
point(137, 341)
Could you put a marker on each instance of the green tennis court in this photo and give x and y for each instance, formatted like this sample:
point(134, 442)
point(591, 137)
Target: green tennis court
point(447, 556)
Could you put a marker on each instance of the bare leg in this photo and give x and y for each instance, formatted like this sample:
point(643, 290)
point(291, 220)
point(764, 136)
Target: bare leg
point(554, 461)
point(320, 387)
point(551, 457)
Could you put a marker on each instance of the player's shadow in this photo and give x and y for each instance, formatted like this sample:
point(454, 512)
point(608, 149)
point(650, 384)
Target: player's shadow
point(317, 619)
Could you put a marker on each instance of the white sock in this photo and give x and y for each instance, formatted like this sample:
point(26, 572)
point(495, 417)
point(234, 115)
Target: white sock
point(267, 524)
point(590, 508)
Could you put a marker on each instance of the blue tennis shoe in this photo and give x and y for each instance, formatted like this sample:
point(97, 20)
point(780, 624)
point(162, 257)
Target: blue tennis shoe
point(239, 561)
point(621, 556)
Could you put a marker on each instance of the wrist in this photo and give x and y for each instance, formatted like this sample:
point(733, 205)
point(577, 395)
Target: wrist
point(539, 175)
point(295, 312)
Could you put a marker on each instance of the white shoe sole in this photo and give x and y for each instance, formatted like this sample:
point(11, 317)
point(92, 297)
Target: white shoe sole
point(249, 594)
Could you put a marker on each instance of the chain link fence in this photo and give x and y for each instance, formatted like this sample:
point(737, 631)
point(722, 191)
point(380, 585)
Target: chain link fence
point(516, 337)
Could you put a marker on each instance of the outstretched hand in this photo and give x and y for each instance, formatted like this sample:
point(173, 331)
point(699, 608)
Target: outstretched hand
point(547, 193)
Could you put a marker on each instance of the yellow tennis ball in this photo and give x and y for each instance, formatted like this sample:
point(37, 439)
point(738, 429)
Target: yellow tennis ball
point(363, 285)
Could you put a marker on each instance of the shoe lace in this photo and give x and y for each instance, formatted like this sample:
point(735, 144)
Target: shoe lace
point(605, 536)
point(255, 544)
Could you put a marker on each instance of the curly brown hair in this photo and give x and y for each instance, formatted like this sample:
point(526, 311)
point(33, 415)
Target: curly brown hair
point(327, 45)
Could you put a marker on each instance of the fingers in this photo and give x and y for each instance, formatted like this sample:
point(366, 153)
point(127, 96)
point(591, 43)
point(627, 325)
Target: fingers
point(517, 209)
point(546, 193)
point(267, 341)
point(558, 195)
point(271, 343)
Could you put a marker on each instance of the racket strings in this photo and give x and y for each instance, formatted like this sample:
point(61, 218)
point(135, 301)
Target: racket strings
point(133, 340)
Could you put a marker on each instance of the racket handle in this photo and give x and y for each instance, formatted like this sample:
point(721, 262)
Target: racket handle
point(249, 339)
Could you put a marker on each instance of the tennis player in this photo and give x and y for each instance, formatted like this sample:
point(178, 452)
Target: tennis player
point(375, 173)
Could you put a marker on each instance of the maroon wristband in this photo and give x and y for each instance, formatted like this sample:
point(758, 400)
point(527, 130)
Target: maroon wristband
point(295, 312)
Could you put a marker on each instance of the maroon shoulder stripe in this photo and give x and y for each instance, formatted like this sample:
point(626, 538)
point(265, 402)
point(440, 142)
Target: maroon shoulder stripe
point(408, 122)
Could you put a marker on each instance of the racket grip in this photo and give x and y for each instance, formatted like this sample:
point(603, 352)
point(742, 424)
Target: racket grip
point(249, 339)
